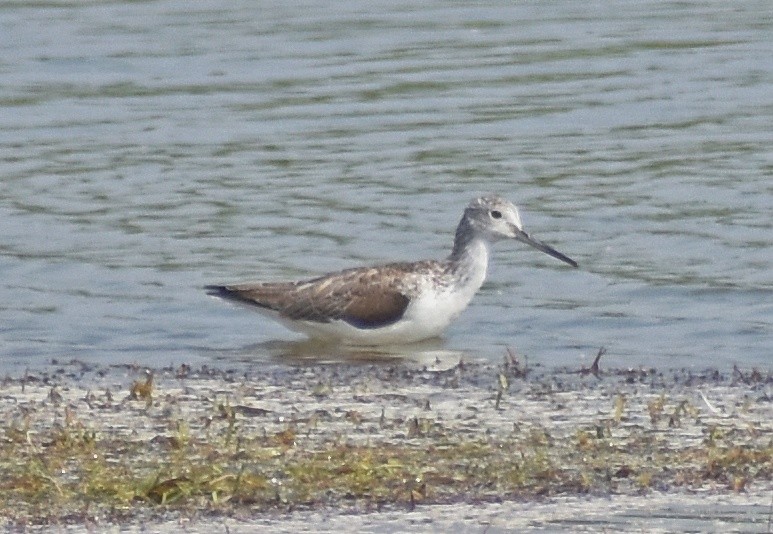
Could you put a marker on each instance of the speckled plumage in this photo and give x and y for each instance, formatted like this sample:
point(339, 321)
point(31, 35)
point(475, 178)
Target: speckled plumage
point(396, 302)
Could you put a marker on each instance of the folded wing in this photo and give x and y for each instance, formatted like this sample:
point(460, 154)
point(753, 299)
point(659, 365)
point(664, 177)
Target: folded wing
point(364, 298)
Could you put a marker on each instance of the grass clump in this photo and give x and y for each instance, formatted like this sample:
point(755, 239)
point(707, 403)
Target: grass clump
point(188, 445)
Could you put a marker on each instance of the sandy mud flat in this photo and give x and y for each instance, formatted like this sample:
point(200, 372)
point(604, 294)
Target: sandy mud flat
point(386, 447)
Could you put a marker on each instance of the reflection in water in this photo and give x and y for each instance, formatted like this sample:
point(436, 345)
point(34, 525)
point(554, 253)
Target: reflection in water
point(429, 354)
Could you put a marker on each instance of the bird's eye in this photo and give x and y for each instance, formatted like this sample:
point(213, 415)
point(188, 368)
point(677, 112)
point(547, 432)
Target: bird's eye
point(496, 214)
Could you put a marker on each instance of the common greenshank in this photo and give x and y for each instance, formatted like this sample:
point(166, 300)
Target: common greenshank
point(395, 303)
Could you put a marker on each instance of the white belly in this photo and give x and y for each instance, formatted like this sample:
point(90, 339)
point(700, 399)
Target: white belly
point(427, 316)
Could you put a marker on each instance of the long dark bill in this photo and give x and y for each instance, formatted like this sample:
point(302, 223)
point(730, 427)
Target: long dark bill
point(523, 237)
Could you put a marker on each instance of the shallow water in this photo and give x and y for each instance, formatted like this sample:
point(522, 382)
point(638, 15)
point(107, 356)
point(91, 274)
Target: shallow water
point(151, 148)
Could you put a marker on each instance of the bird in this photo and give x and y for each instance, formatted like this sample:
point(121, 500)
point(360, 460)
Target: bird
point(395, 303)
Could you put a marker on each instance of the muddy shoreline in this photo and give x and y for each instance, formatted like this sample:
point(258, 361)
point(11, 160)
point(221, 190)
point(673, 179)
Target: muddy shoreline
point(387, 447)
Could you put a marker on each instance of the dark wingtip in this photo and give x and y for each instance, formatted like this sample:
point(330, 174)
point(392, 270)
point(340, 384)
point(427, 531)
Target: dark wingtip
point(217, 291)
point(234, 295)
point(225, 292)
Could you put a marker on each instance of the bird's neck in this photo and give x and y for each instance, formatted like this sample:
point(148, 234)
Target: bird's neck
point(463, 240)
point(469, 257)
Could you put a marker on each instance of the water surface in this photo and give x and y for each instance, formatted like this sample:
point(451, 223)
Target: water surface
point(149, 148)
